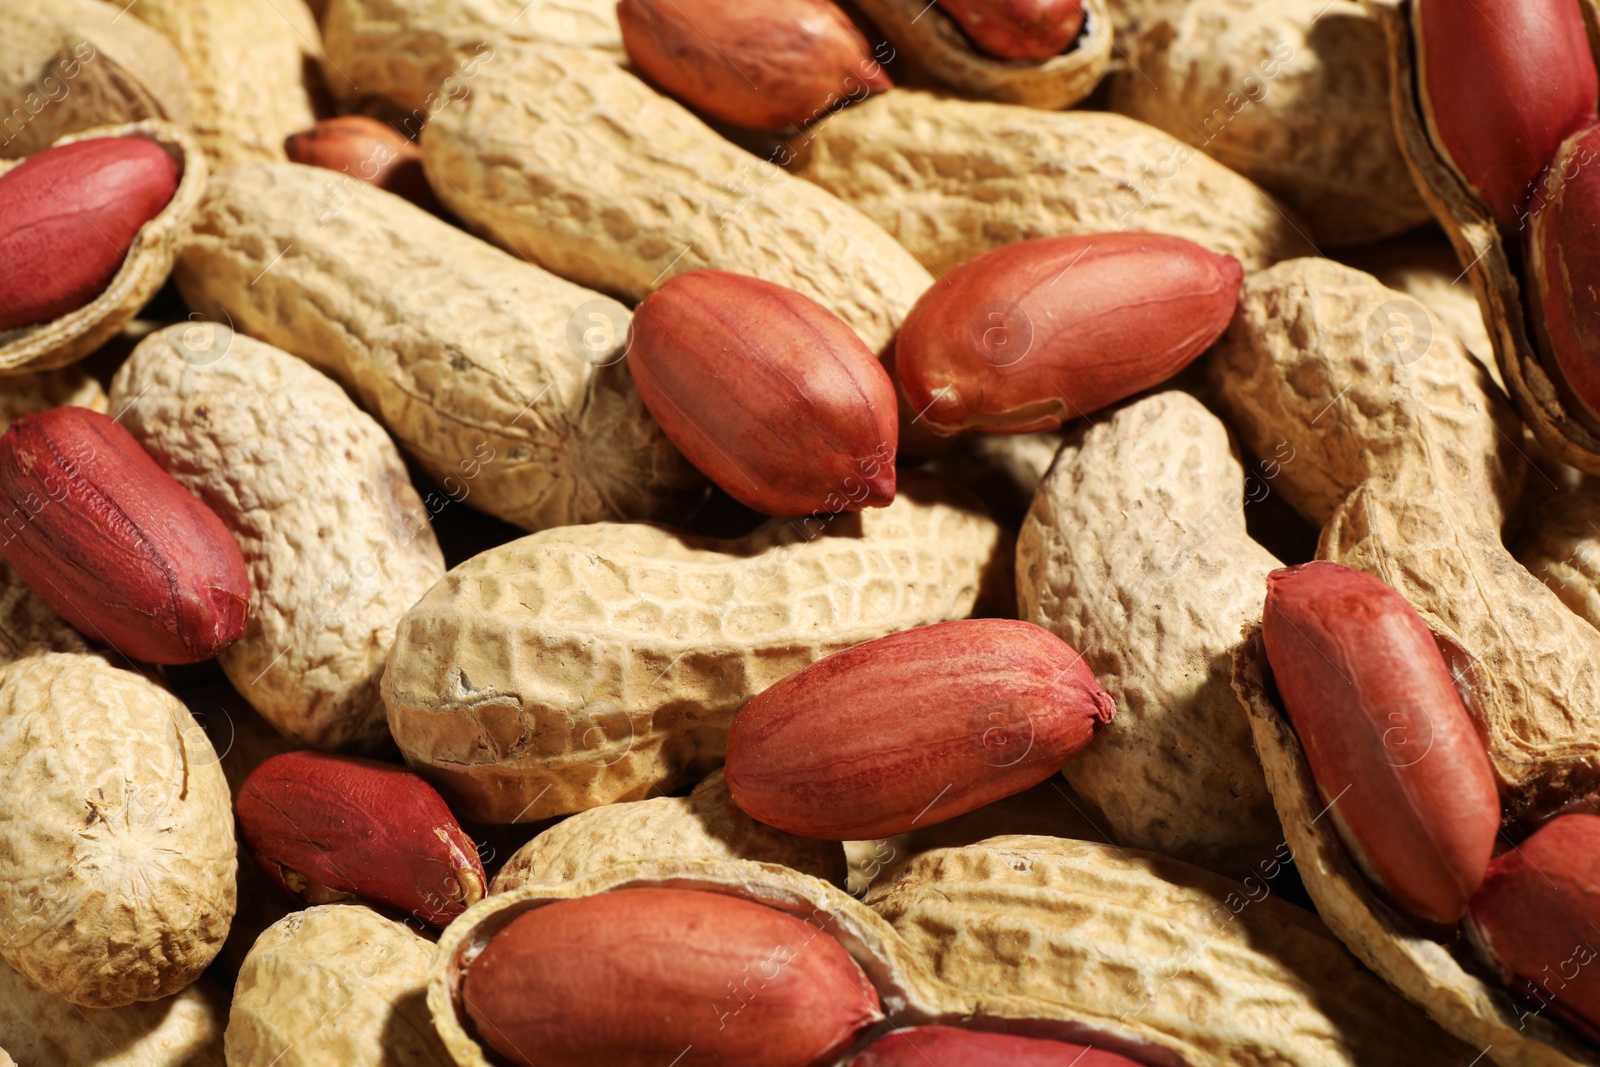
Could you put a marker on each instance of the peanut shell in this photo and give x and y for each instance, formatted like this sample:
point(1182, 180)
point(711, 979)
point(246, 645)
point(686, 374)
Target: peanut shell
point(703, 825)
point(1004, 469)
point(29, 394)
point(1293, 95)
point(72, 65)
point(117, 884)
point(251, 69)
point(955, 178)
point(504, 381)
point(184, 1030)
point(28, 624)
point(1408, 458)
point(335, 984)
point(569, 160)
point(406, 51)
point(1136, 552)
point(586, 665)
point(143, 272)
point(1560, 546)
point(935, 42)
point(338, 543)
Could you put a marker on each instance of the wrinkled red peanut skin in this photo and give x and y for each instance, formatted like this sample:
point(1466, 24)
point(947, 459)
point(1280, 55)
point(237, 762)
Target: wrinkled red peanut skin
point(368, 150)
point(1536, 913)
point(363, 827)
point(769, 393)
point(68, 216)
point(1564, 262)
point(1109, 315)
point(911, 729)
point(114, 544)
point(1018, 29)
point(946, 1046)
point(763, 66)
point(1503, 83)
point(633, 977)
point(1388, 740)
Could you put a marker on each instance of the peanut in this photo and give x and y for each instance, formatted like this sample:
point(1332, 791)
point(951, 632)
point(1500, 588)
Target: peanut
point(1534, 918)
point(251, 70)
point(767, 68)
point(28, 624)
point(41, 1030)
point(334, 984)
point(623, 977)
point(499, 378)
point(946, 1046)
point(366, 149)
point(1136, 552)
point(1562, 277)
point(1041, 332)
point(1390, 744)
point(706, 824)
point(67, 219)
point(586, 665)
point(113, 543)
point(564, 157)
point(1018, 29)
point(775, 399)
point(953, 179)
point(118, 885)
point(70, 65)
point(30, 394)
point(337, 542)
point(912, 728)
point(1293, 95)
point(1502, 84)
point(1557, 544)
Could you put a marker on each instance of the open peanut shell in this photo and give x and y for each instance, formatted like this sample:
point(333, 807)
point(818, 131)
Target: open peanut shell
point(1266, 985)
point(144, 270)
point(1443, 979)
point(933, 41)
point(1536, 390)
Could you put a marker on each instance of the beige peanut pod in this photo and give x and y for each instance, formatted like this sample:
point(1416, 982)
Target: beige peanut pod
point(1216, 971)
point(28, 394)
point(1293, 95)
point(338, 543)
point(27, 623)
point(1560, 545)
point(1136, 552)
point(117, 882)
point(423, 55)
point(336, 984)
point(502, 380)
point(703, 825)
point(251, 67)
point(1004, 469)
point(586, 665)
point(936, 43)
point(956, 178)
point(568, 159)
point(143, 272)
point(71, 65)
point(40, 1030)
point(1411, 461)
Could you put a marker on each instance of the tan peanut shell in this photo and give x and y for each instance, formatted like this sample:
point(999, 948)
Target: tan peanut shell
point(335, 984)
point(143, 272)
point(28, 624)
point(704, 825)
point(1485, 257)
point(29, 394)
point(251, 69)
point(1560, 545)
point(568, 159)
point(1004, 469)
point(955, 178)
point(117, 882)
point(40, 1030)
point(476, 362)
point(403, 51)
point(1136, 552)
point(934, 42)
point(1292, 994)
point(1293, 95)
point(72, 65)
point(591, 664)
point(1409, 459)
point(338, 543)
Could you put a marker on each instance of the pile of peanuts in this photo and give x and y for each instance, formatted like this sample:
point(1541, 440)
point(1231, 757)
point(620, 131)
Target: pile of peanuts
point(799, 534)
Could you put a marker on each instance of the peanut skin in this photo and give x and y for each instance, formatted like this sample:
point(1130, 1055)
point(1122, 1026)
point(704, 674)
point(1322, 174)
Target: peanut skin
point(1018, 29)
point(947, 1046)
